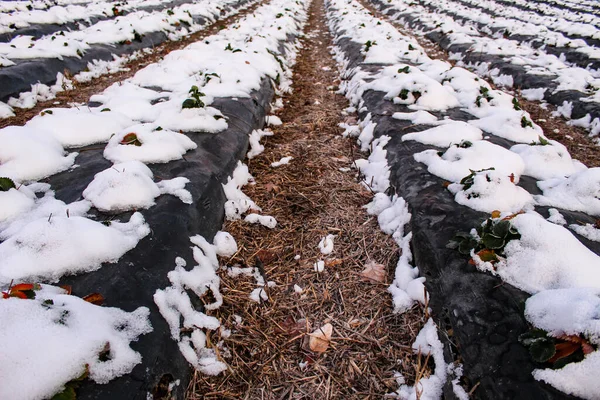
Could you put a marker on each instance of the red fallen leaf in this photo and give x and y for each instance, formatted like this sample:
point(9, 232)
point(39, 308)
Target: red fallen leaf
point(131, 138)
point(94, 298)
point(563, 350)
point(24, 286)
point(512, 178)
point(586, 347)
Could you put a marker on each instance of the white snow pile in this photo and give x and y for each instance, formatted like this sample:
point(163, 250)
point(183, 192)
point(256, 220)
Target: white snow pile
point(49, 247)
point(427, 343)
point(28, 154)
point(148, 145)
point(176, 307)
point(256, 147)
point(75, 127)
point(578, 192)
point(326, 244)
point(48, 341)
point(282, 161)
point(130, 186)
point(238, 203)
point(569, 312)
point(546, 161)
point(459, 160)
point(446, 135)
point(491, 190)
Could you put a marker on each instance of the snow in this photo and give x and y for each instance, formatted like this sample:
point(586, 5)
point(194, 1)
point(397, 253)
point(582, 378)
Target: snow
point(273, 120)
point(157, 146)
point(48, 248)
point(556, 217)
point(507, 123)
point(29, 154)
point(48, 341)
point(130, 186)
point(431, 387)
point(326, 244)
point(76, 127)
point(237, 202)
point(319, 266)
point(225, 244)
point(176, 307)
point(457, 162)
point(264, 220)
point(578, 192)
point(492, 190)
point(588, 231)
point(255, 147)
point(445, 135)
point(570, 265)
point(283, 161)
point(547, 161)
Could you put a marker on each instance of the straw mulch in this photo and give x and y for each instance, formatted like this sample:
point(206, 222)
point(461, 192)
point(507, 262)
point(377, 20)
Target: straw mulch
point(268, 352)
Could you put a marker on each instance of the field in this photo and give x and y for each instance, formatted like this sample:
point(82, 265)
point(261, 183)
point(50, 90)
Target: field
point(309, 199)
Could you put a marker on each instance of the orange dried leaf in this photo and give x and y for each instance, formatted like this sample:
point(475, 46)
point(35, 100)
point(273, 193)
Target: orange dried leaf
point(496, 214)
point(67, 288)
point(94, 298)
point(374, 271)
point(487, 255)
point(333, 262)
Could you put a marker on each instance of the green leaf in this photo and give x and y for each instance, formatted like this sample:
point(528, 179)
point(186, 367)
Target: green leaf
point(501, 228)
point(6, 184)
point(492, 242)
point(190, 103)
point(542, 350)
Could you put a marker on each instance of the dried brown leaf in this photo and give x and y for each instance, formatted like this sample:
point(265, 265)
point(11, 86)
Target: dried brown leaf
point(374, 271)
point(320, 338)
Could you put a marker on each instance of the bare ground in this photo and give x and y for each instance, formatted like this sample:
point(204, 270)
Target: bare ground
point(267, 352)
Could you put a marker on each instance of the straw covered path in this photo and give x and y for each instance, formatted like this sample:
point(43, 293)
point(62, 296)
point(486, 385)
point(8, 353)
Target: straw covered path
point(317, 194)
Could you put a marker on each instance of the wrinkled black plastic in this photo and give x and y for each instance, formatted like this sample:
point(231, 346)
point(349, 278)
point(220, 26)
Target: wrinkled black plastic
point(133, 280)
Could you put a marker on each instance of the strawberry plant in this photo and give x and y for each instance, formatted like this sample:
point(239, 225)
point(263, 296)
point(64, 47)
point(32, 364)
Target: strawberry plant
point(469, 180)
point(484, 94)
point(489, 242)
point(558, 351)
point(369, 44)
point(542, 142)
point(516, 104)
point(194, 100)
point(526, 122)
point(229, 48)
